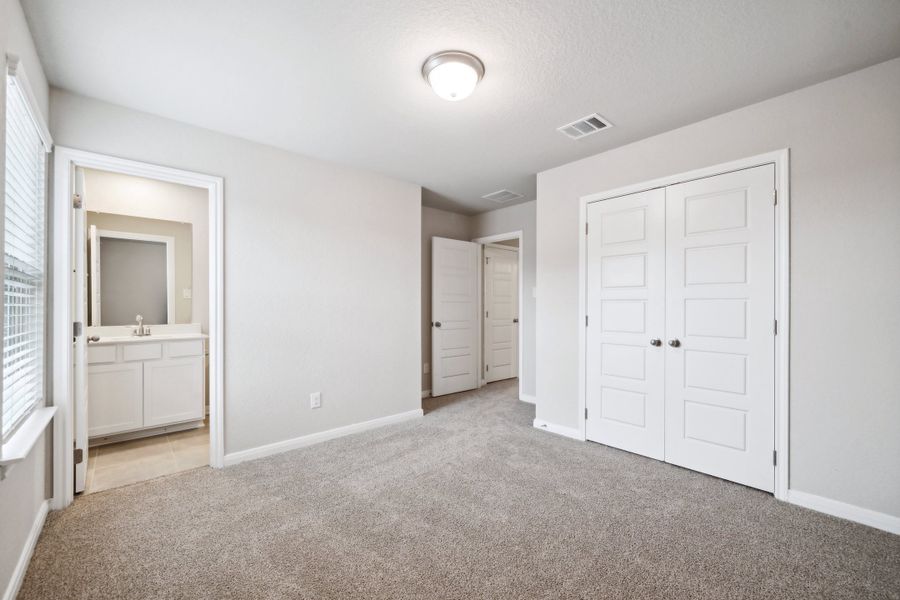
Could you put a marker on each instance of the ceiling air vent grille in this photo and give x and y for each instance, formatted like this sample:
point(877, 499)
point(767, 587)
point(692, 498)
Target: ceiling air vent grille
point(502, 196)
point(585, 126)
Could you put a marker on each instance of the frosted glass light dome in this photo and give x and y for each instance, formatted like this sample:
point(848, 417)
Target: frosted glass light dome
point(453, 75)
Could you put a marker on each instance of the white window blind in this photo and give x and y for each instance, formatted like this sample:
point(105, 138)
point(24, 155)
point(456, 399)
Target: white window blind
point(24, 271)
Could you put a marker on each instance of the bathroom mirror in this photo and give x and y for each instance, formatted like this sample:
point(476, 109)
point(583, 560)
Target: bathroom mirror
point(138, 266)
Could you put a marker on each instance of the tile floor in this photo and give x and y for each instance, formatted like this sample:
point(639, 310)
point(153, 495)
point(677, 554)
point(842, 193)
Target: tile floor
point(123, 463)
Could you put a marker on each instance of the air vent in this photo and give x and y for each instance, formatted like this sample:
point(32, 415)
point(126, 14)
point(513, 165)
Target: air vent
point(502, 196)
point(585, 126)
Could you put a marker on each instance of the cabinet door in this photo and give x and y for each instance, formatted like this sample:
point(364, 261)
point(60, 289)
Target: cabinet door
point(173, 391)
point(115, 398)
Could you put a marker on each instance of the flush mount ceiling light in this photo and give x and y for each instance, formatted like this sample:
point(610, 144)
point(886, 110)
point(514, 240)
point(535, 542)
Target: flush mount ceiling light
point(453, 75)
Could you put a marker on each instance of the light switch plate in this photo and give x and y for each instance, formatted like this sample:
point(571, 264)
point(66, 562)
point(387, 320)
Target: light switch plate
point(315, 400)
point(187, 293)
point(426, 368)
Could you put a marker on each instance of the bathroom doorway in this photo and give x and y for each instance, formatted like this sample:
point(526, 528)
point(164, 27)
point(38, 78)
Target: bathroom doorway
point(145, 309)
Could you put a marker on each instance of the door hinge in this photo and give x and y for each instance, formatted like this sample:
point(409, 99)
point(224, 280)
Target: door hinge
point(776, 326)
point(76, 329)
point(585, 320)
point(487, 260)
point(76, 201)
point(487, 367)
point(586, 228)
point(774, 196)
point(487, 314)
point(774, 458)
point(78, 454)
point(585, 413)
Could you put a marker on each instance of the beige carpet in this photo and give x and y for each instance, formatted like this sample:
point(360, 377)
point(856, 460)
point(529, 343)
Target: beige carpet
point(469, 502)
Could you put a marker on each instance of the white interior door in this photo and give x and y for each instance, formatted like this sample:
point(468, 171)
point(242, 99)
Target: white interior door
point(501, 313)
point(720, 291)
point(79, 315)
point(454, 316)
point(626, 321)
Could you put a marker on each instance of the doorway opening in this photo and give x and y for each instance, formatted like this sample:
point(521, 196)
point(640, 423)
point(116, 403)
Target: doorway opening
point(137, 274)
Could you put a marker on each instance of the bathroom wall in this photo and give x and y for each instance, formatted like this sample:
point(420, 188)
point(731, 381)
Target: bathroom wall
point(117, 194)
point(182, 234)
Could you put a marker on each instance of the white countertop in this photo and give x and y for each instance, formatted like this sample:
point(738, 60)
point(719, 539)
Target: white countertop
point(136, 339)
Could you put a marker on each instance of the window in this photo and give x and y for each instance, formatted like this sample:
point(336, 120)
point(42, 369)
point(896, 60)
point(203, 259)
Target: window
point(24, 269)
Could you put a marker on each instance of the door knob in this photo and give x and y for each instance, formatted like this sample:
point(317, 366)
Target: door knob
point(94, 338)
point(656, 342)
point(515, 320)
point(437, 323)
point(674, 343)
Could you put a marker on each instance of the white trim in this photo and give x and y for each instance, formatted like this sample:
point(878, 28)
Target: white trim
point(569, 432)
point(426, 393)
point(17, 447)
point(65, 161)
point(18, 574)
point(169, 241)
point(851, 512)
point(528, 398)
point(16, 70)
point(487, 240)
point(322, 436)
point(781, 160)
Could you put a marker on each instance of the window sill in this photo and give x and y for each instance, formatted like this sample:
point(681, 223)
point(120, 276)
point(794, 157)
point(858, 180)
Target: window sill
point(17, 448)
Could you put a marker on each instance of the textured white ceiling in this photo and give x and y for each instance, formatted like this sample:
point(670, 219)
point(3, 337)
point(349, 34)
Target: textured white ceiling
point(340, 79)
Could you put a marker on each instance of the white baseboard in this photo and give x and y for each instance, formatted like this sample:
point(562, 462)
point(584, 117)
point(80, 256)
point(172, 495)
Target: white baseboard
point(569, 432)
point(314, 438)
point(528, 398)
point(851, 512)
point(18, 575)
point(426, 393)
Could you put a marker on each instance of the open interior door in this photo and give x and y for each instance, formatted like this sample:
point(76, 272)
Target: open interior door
point(79, 315)
point(454, 316)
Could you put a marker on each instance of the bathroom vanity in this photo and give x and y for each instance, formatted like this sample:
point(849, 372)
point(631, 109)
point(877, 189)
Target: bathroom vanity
point(144, 385)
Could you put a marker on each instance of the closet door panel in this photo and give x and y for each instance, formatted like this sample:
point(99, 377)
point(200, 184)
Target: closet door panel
point(626, 310)
point(720, 301)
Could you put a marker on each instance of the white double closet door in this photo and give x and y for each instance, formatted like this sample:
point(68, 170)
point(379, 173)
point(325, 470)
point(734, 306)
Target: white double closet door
point(680, 344)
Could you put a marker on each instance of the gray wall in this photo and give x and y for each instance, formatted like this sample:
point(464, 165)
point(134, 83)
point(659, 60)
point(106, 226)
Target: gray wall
point(322, 273)
point(520, 217)
point(436, 223)
point(182, 234)
point(844, 137)
point(26, 487)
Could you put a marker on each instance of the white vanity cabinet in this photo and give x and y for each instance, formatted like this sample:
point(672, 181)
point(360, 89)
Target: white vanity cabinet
point(144, 384)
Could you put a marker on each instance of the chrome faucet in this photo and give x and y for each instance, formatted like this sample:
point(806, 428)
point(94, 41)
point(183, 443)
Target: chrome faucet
point(141, 329)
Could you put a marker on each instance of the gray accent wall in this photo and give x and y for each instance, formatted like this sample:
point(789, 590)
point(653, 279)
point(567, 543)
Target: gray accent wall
point(322, 273)
point(844, 140)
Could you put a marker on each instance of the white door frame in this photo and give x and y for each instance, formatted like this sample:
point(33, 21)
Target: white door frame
point(65, 161)
point(781, 160)
point(169, 241)
point(490, 239)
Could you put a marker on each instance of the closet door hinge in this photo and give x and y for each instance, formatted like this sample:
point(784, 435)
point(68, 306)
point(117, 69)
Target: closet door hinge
point(78, 456)
point(774, 196)
point(586, 228)
point(487, 260)
point(585, 320)
point(774, 458)
point(776, 326)
point(487, 368)
point(585, 413)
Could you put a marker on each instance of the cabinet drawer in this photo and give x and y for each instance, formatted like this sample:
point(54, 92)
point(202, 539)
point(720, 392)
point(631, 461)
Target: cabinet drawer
point(141, 352)
point(184, 348)
point(101, 354)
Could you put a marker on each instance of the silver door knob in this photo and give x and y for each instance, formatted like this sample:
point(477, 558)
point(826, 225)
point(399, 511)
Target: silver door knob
point(674, 343)
point(437, 323)
point(515, 320)
point(655, 342)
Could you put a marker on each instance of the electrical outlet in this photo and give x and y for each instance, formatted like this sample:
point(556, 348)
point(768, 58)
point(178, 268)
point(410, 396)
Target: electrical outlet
point(426, 368)
point(315, 400)
point(187, 293)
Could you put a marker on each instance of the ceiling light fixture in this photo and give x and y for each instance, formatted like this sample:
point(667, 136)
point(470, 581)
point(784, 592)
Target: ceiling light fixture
point(453, 75)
